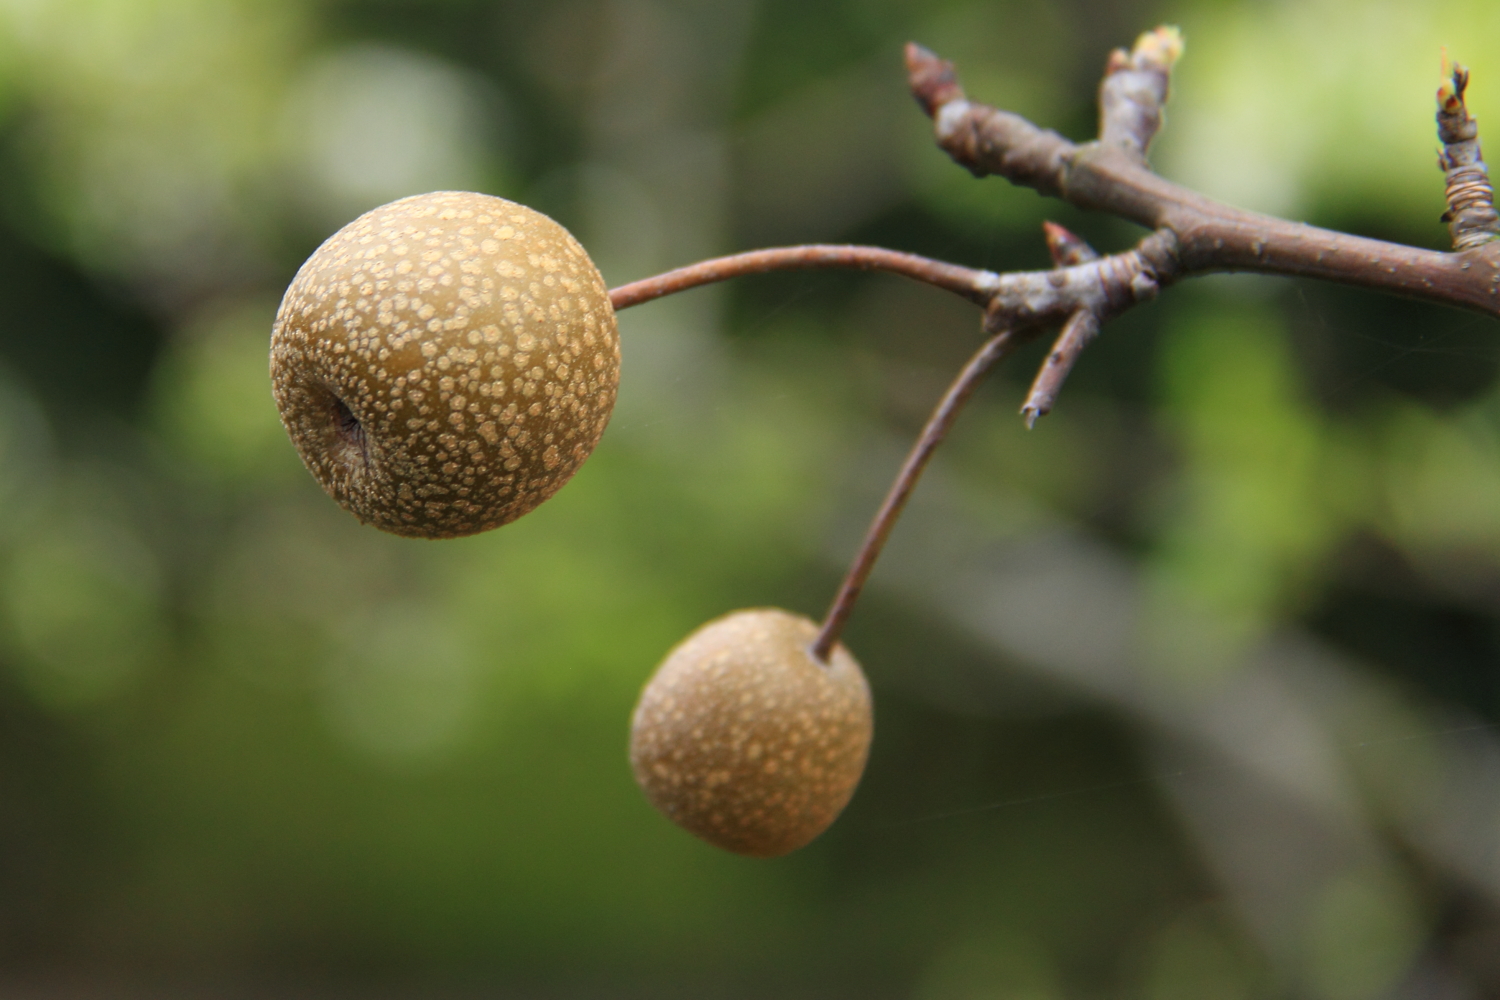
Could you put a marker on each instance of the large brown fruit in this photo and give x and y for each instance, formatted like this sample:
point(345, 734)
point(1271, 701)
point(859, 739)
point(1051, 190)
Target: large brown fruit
point(445, 363)
point(744, 739)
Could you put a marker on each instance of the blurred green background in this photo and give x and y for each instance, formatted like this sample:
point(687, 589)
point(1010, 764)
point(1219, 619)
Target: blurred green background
point(1188, 693)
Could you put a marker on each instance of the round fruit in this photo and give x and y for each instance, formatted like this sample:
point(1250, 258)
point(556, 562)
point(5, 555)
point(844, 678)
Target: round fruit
point(744, 739)
point(445, 363)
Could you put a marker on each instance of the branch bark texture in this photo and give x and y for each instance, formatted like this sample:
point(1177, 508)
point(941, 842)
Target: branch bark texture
point(1110, 175)
point(1190, 234)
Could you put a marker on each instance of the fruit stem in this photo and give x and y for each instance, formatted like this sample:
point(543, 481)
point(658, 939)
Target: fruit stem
point(937, 428)
point(977, 286)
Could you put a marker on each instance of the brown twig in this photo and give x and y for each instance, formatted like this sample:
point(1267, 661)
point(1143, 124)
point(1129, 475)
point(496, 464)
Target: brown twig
point(938, 425)
point(975, 285)
point(1208, 235)
point(1134, 90)
point(1077, 333)
point(1067, 250)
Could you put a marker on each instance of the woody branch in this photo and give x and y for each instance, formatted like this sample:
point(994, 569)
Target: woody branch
point(1190, 235)
point(1199, 234)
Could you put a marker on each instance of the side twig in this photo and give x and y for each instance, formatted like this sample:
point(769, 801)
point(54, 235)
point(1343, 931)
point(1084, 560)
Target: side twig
point(1077, 333)
point(1134, 91)
point(1471, 215)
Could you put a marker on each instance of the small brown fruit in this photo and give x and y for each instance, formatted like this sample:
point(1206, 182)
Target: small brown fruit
point(744, 739)
point(445, 363)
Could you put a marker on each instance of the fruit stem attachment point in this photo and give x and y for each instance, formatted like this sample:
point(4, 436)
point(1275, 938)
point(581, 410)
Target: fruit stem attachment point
point(974, 285)
point(937, 428)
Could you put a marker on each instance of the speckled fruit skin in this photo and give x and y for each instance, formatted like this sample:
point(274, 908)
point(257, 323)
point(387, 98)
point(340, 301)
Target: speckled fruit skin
point(745, 740)
point(445, 363)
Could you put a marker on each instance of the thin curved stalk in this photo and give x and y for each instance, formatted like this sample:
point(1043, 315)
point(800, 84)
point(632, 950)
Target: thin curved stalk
point(937, 428)
point(975, 285)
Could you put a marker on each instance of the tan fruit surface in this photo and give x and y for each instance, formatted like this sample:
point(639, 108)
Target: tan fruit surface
point(744, 739)
point(445, 363)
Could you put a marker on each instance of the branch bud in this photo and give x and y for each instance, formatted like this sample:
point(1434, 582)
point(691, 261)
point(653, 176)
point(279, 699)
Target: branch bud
point(1471, 214)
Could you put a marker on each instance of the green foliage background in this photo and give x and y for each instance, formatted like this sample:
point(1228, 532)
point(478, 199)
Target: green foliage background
point(1186, 693)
